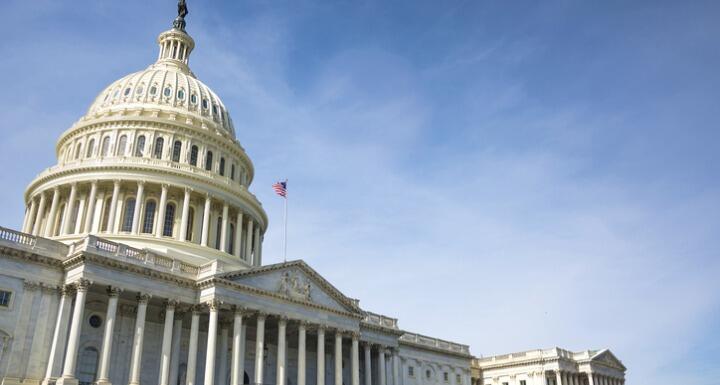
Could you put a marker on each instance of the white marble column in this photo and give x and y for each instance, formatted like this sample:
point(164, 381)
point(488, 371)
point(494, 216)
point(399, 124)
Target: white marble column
point(321, 356)
point(368, 363)
point(192, 346)
point(166, 348)
point(139, 198)
point(103, 377)
point(160, 218)
point(259, 346)
point(338, 357)
point(355, 358)
point(248, 242)
point(113, 207)
point(138, 338)
point(57, 346)
point(396, 367)
point(176, 342)
point(281, 362)
point(237, 368)
point(211, 340)
point(381, 365)
point(223, 358)
point(238, 235)
point(185, 215)
point(558, 377)
point(256, 248)
point(36, 228)
point(302, 335)
point(68, 376)
point(90, 207)
point(30, 217)
point(206, 222)
point(50, 222)
point(223, 231)
point(69, 208)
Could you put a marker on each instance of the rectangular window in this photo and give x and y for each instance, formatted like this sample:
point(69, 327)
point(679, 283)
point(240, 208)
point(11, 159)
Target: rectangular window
point(411, 371)
point(445, 376)
point(459, 380)
point(522, 382)
point(5, 298)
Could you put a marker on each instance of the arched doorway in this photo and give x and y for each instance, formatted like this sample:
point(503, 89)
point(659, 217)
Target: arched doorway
point(87, 366)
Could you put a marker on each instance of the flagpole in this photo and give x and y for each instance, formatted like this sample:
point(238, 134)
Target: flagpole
point(285, 231)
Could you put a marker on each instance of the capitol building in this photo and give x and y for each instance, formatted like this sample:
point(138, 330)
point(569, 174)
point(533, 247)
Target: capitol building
point(140, 262)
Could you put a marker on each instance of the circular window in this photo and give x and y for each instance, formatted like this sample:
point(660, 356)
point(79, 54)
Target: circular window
point(95, 321)
point(193, 99)
point(167, 92)
point(127, 91)
point(153, 90)
point(181, 94)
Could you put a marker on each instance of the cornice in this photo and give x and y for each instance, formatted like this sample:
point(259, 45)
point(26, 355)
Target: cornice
point(220, 281)
point(434, 349)
point(29, 256)
point(317, 278)
point(381, 329)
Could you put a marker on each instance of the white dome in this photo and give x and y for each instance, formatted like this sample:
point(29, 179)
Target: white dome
point(167, 85)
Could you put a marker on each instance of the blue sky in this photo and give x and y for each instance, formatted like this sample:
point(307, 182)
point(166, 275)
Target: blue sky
point(511, 175)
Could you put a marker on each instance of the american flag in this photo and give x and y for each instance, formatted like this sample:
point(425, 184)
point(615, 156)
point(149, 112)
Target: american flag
point(280, 188)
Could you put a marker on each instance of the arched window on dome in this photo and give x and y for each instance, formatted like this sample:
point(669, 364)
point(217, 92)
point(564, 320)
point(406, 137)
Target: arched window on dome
point(105, 150)
point(169, 220)
point(231, 241)
point(189, 228)
point(122, 145)
point(149, 217)
point(194, 155)
point(232, 171)
point(177, 148)
point(128, 215)
point(140, 145)
point(90, 148)
point(78, 149)
point(222, 166)
point(209, 160)
point(205, 104)
point(218, 230)
point(104, 225)
point(159, 144)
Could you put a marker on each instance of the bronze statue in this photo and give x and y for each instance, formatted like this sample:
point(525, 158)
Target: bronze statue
point(179, 22)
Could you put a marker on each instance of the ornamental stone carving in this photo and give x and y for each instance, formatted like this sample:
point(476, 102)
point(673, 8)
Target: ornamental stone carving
point(294, 286)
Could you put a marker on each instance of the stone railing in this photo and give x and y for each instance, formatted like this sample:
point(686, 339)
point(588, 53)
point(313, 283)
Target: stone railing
point(136, 256)
point(552, 353)
point(436, 343)
point(380, 320)
point(31, 243)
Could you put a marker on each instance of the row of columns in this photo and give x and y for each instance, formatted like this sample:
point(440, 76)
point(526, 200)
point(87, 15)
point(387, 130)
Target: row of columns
point(247, 242)
point(172, 329)
point(575, 378)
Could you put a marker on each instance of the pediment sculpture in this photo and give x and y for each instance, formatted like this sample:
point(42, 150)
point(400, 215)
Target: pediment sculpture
point(294, 286)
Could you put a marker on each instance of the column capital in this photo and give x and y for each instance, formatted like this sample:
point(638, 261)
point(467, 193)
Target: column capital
point(143, 297)
point(196, 309)
point(261, 315)
point(66, 290)
point(240, 310)
point(282, 320)
point(213, 304)
point(164, 186)
point(355, 335)
point(171, 304)
point(82, 284)
point(113, 291)
point(30, 285)
point(117, 182)
point(188, 190)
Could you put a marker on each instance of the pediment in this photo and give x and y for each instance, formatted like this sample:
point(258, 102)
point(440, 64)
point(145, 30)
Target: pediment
point(607, 358)
point(297, 282)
